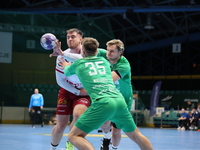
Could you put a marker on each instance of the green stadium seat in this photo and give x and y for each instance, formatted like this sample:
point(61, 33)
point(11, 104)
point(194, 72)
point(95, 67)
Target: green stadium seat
point(183, 92)
point(144, 92)
point(34, 86)
point(55, 90)
point(161, 92)
point(149, 92)
point(167, 92)
point(30, 89)
point(39, 86)
point(46, 86)
point(48, 90)
point(15, 85)
point(194, 92)
point(172, 92)
point(189, 92)
point(51, 86)
point(42, 90)
point(57, 87)
point(27, 85)
point(21, 85)
point(178, 92)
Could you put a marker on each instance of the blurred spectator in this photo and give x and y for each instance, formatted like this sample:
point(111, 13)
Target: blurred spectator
point(190, 105)
point(198, 107)
point(183, 120)
point(35, 107)
point(53, 120)
point(194, 119)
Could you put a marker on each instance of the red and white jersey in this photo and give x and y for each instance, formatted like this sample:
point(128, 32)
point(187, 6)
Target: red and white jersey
point(71, 83)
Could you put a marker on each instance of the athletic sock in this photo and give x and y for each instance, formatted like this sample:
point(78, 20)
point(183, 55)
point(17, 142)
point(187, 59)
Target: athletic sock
point(53, 147)
point(115, 147)
point(107, 135)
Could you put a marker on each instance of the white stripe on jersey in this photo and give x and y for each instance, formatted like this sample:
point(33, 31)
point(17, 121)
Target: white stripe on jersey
point(72, 80)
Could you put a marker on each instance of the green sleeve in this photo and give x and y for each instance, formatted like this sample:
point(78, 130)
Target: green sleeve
point(69, 70)
point(101, 53)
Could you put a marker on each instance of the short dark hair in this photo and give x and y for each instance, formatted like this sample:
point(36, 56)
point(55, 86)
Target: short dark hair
point(90, 45)
point(75, 30)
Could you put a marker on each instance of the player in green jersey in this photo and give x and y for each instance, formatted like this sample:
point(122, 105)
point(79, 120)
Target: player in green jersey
point(107, 102)
point(121, 73)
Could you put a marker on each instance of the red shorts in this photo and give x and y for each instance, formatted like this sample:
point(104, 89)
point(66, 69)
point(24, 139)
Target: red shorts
point(67, 101)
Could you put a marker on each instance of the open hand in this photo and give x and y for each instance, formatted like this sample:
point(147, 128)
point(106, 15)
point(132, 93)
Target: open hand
point(62, 63)
point(57, 49)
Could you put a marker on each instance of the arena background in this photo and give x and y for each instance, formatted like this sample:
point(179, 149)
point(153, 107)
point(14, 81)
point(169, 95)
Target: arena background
point(161, 43)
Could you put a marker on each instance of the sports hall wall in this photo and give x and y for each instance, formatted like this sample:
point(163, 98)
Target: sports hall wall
point(26, 72)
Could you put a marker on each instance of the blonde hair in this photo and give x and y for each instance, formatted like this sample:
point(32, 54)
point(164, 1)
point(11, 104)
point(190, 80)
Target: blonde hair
point(119, 44)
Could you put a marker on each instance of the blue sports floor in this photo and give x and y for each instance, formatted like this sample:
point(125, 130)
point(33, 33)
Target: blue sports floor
point(23, 137)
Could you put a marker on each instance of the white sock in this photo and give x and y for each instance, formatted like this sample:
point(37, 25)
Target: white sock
point(115, 147)
point(53, 147)
point(107, 135)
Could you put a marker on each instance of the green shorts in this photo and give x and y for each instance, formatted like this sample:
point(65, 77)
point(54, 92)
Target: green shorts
point(129, 101)
point(113, 109)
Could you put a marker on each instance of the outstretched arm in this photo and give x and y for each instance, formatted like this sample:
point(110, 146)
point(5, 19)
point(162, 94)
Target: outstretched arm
point(69, 56)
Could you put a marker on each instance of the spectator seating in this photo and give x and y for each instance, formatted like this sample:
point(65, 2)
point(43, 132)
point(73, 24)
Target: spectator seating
point(42, 87)
point(170, 119)
point(138, 117)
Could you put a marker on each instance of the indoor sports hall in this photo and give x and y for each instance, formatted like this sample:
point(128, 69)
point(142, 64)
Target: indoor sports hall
point(161, 40)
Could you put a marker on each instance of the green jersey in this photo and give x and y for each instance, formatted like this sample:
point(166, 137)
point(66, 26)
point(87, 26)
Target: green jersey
point(95, 76)
point(123, 69)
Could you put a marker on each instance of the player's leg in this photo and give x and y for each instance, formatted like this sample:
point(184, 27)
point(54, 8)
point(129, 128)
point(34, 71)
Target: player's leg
point(116, 133)
point(63, 112)
point(116, 137)
point(97, 114)
point(80, 105)
point(140, 139)
point(58, 129)
point(76, 137)
point(39, 115)
point(33, 116)
point(106, 129)
point(78, 110)
point(124, 120)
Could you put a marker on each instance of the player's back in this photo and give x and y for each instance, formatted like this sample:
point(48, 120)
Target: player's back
point(95, 76)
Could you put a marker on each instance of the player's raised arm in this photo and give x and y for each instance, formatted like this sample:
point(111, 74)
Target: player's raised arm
point(57, 49)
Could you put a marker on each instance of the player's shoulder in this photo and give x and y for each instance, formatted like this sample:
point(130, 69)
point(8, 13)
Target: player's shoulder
point(124, 59)
point(101, 49)
point(67, 50)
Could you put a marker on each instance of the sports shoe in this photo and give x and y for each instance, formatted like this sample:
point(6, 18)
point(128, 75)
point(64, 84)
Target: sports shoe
point(183, 128)
point(191, 128)
point(179, 128)
point(69, 146)
point(105, 144)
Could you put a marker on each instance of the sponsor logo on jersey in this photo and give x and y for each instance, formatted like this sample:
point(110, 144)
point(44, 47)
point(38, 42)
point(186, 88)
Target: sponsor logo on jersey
point(62, 101)
point(61, 110)
point(83, 101)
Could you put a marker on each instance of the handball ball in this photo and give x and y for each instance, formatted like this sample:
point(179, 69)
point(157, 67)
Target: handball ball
point(48, 41)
